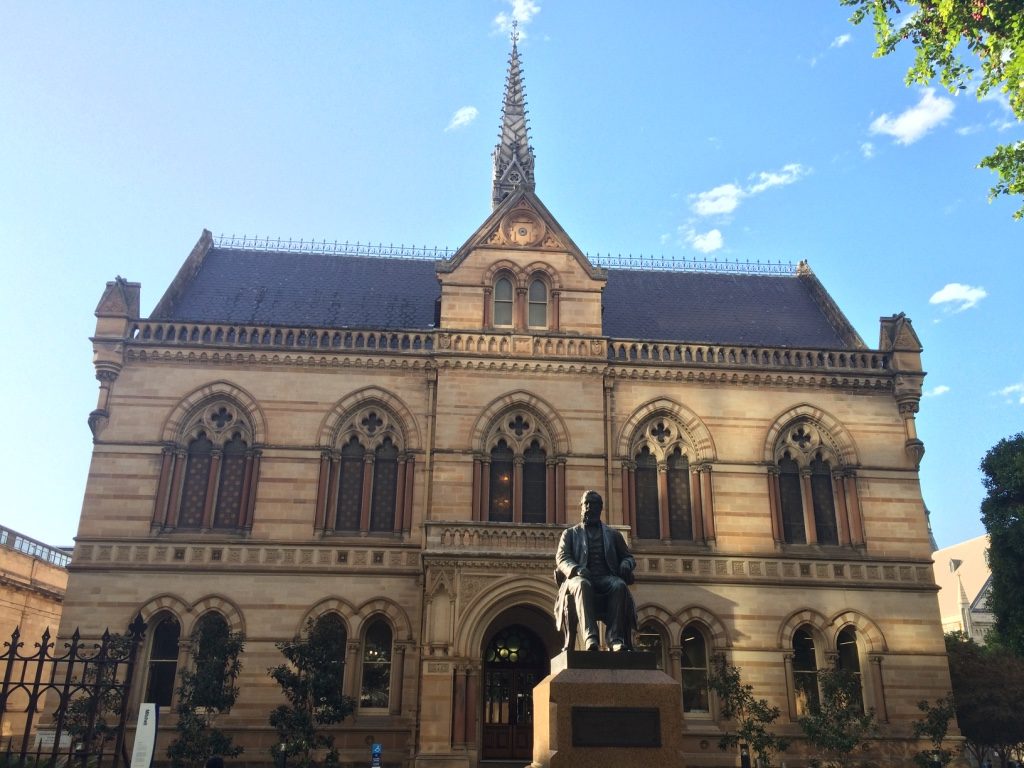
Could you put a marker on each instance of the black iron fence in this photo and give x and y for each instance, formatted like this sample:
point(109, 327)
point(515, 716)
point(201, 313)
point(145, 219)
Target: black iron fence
point(71, 705)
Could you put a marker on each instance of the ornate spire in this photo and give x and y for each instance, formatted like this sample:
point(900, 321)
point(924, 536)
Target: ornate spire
point(513, 156)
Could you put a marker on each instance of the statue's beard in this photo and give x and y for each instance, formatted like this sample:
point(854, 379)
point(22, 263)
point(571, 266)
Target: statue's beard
point(591, 522)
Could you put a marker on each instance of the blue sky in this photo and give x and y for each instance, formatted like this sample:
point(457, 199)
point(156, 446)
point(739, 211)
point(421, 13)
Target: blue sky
point(741, 130)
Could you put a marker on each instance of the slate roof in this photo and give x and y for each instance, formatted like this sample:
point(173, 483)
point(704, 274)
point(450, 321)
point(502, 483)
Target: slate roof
point(333, 291)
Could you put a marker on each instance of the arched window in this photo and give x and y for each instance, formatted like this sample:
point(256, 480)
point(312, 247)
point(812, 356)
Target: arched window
point(212, 643)
point(197, 481)
point(503, 301)
point(534, 484)
point(805, 671)
point(501, 483)
point(848, 658)
point(350, 489)
point(331, 638)
point(648, 525)
point(385, 483)
point(679, 517)
point(516, 480)
point(661, 505)
point(365, 484)
point(375, 690)
point(208, 480)
point(791, 499)
point(537, 316)
point(651, 638)
point(823, 501)
point(807, 506)
point(694, 663)
point(163, 659)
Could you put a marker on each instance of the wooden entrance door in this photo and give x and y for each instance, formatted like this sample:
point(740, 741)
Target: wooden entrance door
point(514, 662)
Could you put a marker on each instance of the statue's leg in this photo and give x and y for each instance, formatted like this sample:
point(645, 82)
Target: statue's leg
point(616, 599)
point(583, 602)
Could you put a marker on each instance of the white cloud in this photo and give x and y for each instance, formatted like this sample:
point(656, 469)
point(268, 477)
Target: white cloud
point(840, 41)
point(522, 11)
point(768, 179)
point(941, 389)
point(913, 123)
point(725, 198)
point(964, 296)
point(1012, 391)
point(967, 130)
point(867, 149)
point(463, 116)
point(721, 199)
point(708, 242)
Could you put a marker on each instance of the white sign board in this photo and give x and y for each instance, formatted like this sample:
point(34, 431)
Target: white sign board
point(145, 736)
point(45, 738)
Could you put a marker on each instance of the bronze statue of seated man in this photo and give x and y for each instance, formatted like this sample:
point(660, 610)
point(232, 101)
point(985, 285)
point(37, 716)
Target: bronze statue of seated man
point(593, 568)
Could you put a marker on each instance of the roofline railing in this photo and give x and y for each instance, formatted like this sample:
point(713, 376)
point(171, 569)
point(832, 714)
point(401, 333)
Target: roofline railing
point(11, 539)
point(302, 340)
point(426, 253)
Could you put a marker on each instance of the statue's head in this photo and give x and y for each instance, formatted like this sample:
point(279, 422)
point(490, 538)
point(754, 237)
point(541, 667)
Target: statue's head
point(591, 505)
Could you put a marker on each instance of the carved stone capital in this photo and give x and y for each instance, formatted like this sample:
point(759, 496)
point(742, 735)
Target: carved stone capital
point(915, 450)
point(98, 421)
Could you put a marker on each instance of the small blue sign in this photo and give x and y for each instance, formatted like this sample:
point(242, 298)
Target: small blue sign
point(375, 756)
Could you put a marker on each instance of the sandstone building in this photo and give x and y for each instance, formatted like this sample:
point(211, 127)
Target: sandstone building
point(394, 441)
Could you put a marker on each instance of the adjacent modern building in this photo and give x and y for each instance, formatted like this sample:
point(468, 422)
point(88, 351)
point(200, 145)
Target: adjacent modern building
point(965, 581)
point(391, 440)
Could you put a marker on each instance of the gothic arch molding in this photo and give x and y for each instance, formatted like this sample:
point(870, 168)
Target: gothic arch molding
point(478, 617)
point(168, 602)
point(650, 612)
point(388, 609)
point(183, 413)
point(696, 431)
point(529, 402)
point(866, 629)
point(798, 619)
point(503, 266)
point(832, 430)
point(216, 604)
point(550, 275)
point(334, 422)
point(336, 605)
point(720, 639)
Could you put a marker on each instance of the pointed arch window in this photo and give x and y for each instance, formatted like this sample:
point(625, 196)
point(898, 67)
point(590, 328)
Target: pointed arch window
point(330, 629)
point(350, 489)
point(811, 502)
point(516, 479)
point(501, 483)
point(366, 484)
point(503, 301)
point(208, 480)
point(791, 499)
point(375, 688)
point(163, 659)
point(805, 671)
point(651, 638)
point(647, 512)
point(535, 471)
point(537, 315)
point(694, 663)
point(385, 485)
point(848, 658)
point(662, 491)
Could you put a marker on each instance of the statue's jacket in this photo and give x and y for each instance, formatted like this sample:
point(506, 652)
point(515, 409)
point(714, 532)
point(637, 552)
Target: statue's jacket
point(573, 551)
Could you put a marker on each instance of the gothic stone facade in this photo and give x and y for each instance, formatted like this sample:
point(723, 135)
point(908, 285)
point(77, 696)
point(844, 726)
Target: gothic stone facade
point(262, 456)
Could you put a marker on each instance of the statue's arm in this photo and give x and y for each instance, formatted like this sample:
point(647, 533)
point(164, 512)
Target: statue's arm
point(626, 560)
point(564, 560)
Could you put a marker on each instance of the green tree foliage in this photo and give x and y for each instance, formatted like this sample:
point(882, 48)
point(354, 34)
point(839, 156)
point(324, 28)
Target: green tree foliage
point(941, 32)
point(988, 690)
point(751, 717)
point(934, 726)
point(206, 691)
point(311, 682)
point(1002, 512)
point(837, 727)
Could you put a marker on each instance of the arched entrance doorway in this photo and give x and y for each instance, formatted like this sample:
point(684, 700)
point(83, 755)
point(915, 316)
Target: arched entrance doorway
point(515, 659)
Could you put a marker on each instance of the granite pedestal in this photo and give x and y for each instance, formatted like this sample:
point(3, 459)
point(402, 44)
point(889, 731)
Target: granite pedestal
point(606, 710)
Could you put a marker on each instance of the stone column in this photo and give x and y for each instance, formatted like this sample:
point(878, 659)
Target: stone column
point(517, 488)
point(810, 529)
point(778, 531)
point(162, 488)
point(211, 490)
point(666, 531)
point(364, 506)
point(878, 688)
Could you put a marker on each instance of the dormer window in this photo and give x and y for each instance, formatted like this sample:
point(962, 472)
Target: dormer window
point(538, 304)
point(503, 299)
